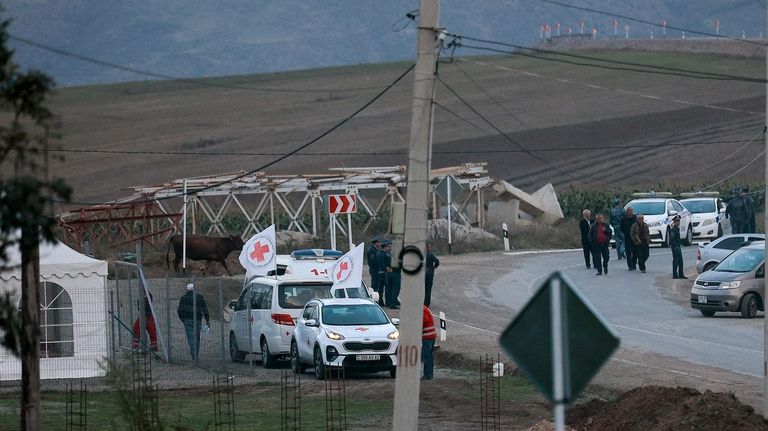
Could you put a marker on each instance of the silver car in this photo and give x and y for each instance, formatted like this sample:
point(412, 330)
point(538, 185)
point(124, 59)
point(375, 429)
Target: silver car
point(710, 254)
point(735, 284)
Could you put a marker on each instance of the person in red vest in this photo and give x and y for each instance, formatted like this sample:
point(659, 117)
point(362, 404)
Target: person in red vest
point(428, 336)
point(600, 239)
point(150, 326)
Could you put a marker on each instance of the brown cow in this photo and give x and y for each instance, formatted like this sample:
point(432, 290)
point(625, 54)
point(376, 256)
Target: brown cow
point(208, 248)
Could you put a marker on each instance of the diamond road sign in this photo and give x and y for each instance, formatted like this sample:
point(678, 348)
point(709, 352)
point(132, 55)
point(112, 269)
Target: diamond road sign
point(441, 189)
point(586, 341)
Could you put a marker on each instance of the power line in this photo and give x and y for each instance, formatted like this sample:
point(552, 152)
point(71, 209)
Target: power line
point(493, 99)
point(284, 156)
point(737, 172)
point(721, 161)
point(196, 81)
point(644, 21)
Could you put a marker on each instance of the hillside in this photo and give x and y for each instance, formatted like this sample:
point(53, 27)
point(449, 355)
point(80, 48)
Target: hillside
point(194, 38)
point(567, 114)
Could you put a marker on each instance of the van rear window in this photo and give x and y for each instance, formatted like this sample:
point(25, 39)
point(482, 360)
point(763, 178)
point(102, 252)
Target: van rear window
point(296, 296)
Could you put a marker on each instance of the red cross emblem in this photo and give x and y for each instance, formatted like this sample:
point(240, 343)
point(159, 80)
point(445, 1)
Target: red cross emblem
point(361, 329)
point(342, 267)
point(259, 250)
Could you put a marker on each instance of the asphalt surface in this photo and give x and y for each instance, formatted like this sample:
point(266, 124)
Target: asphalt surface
point(650, 312)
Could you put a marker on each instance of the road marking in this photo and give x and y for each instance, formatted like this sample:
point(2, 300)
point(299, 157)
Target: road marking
point(677, 337)
point(522, 253)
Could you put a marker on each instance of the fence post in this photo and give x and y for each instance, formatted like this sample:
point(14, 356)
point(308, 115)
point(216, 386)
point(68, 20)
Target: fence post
point(117, 294)
point(505, 232)
point(221, 327)
point(195, 340)
point(112, 323)
point(168, 316)
point(130, 305)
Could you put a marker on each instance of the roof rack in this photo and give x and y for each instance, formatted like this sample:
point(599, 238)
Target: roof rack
point(700, 194)
point(652, 194)
point(315, 253)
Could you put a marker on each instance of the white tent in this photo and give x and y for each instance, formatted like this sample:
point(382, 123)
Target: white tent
point(73, 313)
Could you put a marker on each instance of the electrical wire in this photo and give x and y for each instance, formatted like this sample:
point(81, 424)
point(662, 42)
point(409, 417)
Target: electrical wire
point(738, 171)
point(195, 81)
point(721, 161)
point(283, 156)
point(644, 21)
point(493, 99)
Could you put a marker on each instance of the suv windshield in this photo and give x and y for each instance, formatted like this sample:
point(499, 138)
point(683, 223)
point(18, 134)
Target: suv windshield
point(364, 314)
point(297, 295)
point(700, 206)
point(647, 208)
point(741, 260)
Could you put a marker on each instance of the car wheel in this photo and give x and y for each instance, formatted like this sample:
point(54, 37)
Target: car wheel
point(267, 360)
point(319, 364)
point(296, 364)
point(707, 313)
point(235, 353)
point(719, 230)
point(749, 305)
point(393, 372)
point(665, 243)
point(689, 235)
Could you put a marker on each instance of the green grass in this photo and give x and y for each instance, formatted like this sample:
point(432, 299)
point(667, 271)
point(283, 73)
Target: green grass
point(516, 388)
point(257, 409)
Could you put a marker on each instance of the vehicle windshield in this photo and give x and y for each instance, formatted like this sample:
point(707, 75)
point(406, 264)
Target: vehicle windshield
point(741, 260)
point(297, 295)
point(648, 208)
point(700, 206)
point(362, 314)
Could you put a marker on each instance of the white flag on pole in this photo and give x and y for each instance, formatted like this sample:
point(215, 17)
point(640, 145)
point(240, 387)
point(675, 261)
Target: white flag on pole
point(348, 270)
point(259, 253)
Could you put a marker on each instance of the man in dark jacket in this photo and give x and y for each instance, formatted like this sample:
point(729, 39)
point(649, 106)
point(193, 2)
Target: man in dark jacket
point(629, 246)
point(641, 236)
point(370, 255)
point(432, 263)
point(738, 212)
point(381, 263)
point(392, 289)
point(674, 245)
point(600, 238)
point(192, 309)
point(584, 224)
point(617, 215)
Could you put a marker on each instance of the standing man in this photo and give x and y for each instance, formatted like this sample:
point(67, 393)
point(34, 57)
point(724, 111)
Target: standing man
point(674, 244)
point(584, 226)
point(737, 212)
point(600, 238)
point(392, 289)
point(381, 263)
point(641, 236)
point(432, 263)
point(629, 246)
point(749, 203)
point(192, 317)
point(617, 215)
point(428, 336)
point(370, 254)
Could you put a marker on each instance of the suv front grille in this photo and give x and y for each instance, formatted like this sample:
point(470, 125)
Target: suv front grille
point(708, 284)
point(357, 346)
point(696, 224)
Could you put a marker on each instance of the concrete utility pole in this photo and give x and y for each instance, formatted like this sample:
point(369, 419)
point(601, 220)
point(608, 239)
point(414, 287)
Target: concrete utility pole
point(407, 385)
point(765, 229)
point(30, 328)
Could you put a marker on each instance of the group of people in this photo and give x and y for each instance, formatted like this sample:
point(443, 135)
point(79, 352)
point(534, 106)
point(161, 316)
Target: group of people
point(632, 237)
point(386, 278)
point(741, 211)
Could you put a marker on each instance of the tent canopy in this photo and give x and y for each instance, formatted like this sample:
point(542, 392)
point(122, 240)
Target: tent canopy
point(56, 260)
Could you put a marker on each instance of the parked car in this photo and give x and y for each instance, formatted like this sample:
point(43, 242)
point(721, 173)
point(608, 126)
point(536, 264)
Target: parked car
point(317, 263)
point(658, 209)
point(275, 303)
point(352, 333)
point(735, 284)
point(710, 254)
point(707, 214)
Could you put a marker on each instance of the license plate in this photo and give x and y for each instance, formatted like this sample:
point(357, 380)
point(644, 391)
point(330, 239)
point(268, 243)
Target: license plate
point(702, 299)
point(368, 357)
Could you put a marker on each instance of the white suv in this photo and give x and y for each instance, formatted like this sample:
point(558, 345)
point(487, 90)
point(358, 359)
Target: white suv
point(658, 209)
point(352, 333)
point(707, 213)
point(274, 303)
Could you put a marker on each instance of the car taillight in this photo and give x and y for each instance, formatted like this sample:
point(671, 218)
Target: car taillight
point(698, 254)
point(282, 319)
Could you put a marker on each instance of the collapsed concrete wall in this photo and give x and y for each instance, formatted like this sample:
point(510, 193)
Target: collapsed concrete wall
point(513, 204)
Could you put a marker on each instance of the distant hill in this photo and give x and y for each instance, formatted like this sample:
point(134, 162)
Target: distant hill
point(196, 38)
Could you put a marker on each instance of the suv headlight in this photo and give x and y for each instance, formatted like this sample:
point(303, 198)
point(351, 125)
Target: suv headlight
point(730, 285)
point(654, 224)
point(394, 335)
point(334, 335)
point(708, 221)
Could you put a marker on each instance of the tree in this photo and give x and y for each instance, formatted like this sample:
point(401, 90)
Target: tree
point(26, 199)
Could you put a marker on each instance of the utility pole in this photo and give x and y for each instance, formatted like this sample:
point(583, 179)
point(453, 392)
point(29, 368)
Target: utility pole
point(765, 228)
point(407, 384)
point(29, 245)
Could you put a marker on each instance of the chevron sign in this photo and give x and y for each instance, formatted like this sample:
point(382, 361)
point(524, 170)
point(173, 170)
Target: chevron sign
point(341, 204)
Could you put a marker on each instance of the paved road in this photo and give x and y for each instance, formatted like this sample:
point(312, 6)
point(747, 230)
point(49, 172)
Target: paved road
point(649, 311)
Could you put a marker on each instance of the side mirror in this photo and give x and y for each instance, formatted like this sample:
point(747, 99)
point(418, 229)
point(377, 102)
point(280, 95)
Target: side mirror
point(395, 321)
point(232, 304)
point(310, 323)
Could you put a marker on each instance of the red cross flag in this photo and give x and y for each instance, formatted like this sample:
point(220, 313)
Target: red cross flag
point(348, 270)
point(259, 253)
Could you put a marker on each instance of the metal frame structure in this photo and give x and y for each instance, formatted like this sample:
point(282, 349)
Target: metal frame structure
point(291, 202)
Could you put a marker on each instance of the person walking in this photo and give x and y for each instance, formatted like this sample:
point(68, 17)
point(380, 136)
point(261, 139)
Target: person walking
point(629, 246)
point(149, 321)
point(641, 236)
point(192, 309)
point(428, 336)
point(432, 263)
point(677, 253)
point(392, 289)
point(617, 215)
point(600, 239)
point(584, 224)
point(370, 255)
point(381, 263)
point(737, 212)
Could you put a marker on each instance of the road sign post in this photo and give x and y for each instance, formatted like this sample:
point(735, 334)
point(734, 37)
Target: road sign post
point(559, 342)
point(505, 233)
point(449, 189)
point(341, 204)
